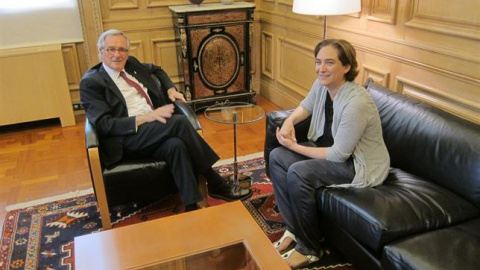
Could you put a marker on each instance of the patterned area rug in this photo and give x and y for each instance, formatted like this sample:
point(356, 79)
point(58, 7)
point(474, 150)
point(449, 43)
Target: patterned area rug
point(41, 236)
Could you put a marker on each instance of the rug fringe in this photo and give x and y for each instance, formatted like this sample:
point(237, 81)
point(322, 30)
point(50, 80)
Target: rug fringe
point(239, 159)
point(68, 195)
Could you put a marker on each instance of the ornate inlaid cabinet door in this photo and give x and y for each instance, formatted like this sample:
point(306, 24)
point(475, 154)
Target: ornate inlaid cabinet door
point(214, 52)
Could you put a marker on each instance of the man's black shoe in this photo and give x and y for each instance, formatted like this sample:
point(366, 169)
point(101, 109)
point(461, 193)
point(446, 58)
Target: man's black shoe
point(229, 192)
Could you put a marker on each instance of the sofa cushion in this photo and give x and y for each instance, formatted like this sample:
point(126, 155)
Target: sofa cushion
point(456, 247)
point(404, 205)
point(431, 143)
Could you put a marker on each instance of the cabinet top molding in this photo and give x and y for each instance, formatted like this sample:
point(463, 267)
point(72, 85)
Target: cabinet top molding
point(210, 7)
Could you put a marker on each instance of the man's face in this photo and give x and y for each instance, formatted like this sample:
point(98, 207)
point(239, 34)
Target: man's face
point(115, 53)
point(329, 68)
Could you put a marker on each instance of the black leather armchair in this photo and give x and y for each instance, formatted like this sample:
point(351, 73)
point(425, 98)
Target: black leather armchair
point(139, 180)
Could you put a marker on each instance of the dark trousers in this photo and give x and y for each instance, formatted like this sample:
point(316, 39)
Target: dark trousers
point(179, 144)
point(296, 179)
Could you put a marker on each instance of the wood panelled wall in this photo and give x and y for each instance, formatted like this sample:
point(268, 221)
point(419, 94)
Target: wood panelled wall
point(149, 25)
point(426, 49)
point(75, 61)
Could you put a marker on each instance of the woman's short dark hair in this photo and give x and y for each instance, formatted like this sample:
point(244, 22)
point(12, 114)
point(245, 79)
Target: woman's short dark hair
point(346, 55)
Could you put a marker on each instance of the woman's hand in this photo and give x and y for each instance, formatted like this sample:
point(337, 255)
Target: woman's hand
point(288, 131)
point(287, 140)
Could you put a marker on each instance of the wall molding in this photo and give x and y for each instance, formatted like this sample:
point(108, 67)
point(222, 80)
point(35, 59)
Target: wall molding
point(285, 2)
point(92, 27)
point(163, 48)
point(136, 49)
point(285, 78)
point(433, 20)
point(379, 76)
point(450, 74)
point(363, 33)
point(122, 4)
point(268, 63)
point(437, 97)
point(161, 3)
point(382, 11)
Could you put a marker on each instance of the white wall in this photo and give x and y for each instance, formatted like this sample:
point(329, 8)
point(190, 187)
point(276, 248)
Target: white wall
point(37, 22)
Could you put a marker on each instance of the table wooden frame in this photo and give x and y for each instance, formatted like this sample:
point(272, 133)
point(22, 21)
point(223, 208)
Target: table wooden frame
point(150, 243)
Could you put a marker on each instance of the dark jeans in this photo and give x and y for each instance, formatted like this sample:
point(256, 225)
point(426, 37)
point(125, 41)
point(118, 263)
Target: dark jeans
point(296, 179)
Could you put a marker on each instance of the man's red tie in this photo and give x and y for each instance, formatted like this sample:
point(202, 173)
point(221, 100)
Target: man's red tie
point(137, 87)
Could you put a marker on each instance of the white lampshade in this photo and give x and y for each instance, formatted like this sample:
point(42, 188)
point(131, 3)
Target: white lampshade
point(326, 7)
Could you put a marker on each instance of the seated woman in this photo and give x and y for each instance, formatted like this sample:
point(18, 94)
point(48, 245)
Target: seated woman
point(345, 148)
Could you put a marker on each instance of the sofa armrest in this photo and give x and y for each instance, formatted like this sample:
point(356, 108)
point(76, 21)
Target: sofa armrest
point(275, 119)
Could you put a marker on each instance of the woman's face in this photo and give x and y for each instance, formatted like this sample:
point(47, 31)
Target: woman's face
point(329, 68)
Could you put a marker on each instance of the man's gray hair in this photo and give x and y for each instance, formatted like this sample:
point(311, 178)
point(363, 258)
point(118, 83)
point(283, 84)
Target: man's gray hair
point(104, 35)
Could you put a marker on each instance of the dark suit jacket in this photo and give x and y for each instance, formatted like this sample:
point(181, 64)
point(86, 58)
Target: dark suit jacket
point(106, 108)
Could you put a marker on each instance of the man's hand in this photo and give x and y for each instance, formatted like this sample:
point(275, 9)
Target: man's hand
point(160, 114)
point(174, 95)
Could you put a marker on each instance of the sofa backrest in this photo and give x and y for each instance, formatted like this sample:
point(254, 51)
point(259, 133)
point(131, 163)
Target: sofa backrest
point(429, 142)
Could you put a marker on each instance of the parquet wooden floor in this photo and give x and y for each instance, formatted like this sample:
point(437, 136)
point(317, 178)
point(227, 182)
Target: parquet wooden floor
point(42, 159)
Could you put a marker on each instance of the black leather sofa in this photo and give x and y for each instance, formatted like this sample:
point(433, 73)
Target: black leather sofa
point(426, 215)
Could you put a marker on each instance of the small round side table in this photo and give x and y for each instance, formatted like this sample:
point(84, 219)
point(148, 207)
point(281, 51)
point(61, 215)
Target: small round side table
point(235, 113)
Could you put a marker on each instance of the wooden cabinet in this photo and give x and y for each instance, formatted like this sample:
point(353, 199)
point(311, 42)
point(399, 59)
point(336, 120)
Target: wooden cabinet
point(214, 52)
point(34, 86)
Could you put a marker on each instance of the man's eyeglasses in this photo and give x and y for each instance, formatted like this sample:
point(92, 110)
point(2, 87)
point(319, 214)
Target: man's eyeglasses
point(113, 50)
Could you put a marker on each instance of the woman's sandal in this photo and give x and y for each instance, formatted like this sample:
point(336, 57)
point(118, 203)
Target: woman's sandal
point(286, 234)
point(310, 258)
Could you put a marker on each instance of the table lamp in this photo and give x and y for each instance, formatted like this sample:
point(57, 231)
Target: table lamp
point(326, 7)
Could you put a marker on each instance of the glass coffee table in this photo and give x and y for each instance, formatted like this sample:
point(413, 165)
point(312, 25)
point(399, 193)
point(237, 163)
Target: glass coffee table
point(235, 113)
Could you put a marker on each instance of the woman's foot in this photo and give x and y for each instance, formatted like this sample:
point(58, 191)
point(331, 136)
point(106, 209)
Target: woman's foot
point(286, 243)
point(296, 260)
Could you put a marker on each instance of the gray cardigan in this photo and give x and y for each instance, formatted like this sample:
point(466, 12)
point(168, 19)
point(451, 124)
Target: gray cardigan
point(356, 130)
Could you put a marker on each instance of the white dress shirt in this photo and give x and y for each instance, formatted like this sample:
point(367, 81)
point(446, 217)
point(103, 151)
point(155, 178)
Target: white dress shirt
point(136, 104)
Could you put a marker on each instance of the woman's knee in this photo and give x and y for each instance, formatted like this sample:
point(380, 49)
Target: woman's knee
point(298, 175)
point(273, 156)
point(279, 156)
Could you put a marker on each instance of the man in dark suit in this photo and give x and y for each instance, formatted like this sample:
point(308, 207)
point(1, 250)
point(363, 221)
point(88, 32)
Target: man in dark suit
point(132, 123)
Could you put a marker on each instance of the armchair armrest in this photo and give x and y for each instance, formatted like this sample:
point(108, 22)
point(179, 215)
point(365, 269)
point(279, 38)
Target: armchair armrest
point(91, 138)
point(96, 172)
point(183, 108)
